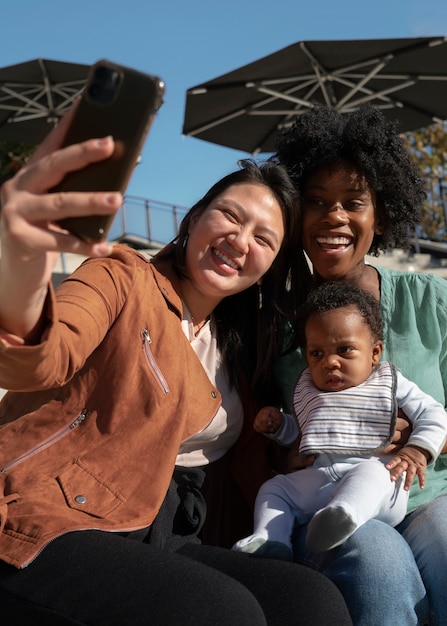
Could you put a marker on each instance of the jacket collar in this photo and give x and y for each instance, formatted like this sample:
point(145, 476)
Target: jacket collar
point(168, 281)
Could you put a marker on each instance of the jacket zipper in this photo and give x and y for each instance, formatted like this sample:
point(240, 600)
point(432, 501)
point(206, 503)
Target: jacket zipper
point(48, 442)
point(146, 338)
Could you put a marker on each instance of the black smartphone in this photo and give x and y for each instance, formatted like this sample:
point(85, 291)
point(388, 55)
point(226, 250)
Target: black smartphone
point(117, 101)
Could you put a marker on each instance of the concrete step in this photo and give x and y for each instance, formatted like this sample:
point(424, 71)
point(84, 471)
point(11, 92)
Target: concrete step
point(411, 262)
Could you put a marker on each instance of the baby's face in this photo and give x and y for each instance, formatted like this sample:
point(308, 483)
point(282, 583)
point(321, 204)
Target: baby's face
point(340, 349)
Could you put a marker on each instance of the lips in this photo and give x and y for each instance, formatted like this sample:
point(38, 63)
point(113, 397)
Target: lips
point(333, 242)
point(333, 379)
point(334, 382)
point(226, 259)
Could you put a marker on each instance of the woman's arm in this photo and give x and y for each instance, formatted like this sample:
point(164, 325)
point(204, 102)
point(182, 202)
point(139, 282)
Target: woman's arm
point(30, 242)
point(401, 434)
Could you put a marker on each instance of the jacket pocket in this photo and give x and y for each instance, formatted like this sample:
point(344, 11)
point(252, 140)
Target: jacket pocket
point(46, 443)
point(153, 365)
point(4, 501)
point(84, 491)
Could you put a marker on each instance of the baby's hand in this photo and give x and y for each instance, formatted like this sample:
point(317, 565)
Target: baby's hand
point(413, 461)
point(268, 420)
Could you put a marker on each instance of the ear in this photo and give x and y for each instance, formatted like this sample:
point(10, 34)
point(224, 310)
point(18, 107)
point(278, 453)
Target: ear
point(259, 282)
point(377, 352)
point(378, 224)
point(192, 222)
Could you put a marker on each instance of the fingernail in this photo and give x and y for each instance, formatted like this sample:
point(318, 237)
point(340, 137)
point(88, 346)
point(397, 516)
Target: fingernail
point(103, 141)
point(113, 198)
point(103, 249)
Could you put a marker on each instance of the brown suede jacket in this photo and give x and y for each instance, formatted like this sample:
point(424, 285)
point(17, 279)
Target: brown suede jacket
point(90, 433)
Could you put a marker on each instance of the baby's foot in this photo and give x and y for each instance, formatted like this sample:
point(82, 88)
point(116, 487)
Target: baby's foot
point(261, 547)
point(329, 528)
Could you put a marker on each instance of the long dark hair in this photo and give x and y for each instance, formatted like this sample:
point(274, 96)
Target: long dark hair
point(250, 338)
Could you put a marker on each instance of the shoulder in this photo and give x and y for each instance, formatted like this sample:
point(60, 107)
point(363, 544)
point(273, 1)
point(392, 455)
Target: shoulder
point(129, 256)
point(122, 259)
point(397, 287)
point(125, 272)
point(411, 278)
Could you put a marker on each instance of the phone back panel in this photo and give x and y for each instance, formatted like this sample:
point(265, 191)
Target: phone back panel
point(127, 117)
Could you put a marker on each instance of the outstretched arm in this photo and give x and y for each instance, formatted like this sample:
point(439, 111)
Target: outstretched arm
point(30, 241)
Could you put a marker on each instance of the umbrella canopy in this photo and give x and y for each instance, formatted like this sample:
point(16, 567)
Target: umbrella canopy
point(34, 95)
point(247, 108)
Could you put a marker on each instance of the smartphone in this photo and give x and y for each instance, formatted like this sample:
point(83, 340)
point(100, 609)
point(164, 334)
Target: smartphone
point(117, 101)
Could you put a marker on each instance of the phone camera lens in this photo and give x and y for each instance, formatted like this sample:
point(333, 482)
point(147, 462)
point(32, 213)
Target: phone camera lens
point(104, 85)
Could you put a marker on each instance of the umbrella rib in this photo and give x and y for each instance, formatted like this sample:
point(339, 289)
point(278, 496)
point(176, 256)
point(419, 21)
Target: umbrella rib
point(251, 111)
point(358, 66)
point(67, 93)
point(47, 84)
point(216, 122)
point(322, 75)
point(388, 103)
point(29, 103)
point(283, 96)
point(379, 95)
point(359, 85)
point(382, 94)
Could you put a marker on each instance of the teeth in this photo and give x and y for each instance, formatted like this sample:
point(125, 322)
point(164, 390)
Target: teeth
point(226, 259)
point(334, 240)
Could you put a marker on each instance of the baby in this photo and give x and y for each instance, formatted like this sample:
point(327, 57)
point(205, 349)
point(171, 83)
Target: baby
point(345, 405)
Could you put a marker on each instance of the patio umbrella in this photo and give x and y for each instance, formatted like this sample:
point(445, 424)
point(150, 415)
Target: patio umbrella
point(247, 108)
point(34, 95)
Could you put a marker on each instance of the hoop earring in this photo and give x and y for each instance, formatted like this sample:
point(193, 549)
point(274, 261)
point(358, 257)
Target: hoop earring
point(185, 241)
point(259, 297)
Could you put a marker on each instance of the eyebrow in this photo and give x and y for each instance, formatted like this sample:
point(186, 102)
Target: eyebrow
point(324, 188)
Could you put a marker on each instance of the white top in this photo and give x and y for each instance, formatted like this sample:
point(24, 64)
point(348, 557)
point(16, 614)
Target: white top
point(212, 442)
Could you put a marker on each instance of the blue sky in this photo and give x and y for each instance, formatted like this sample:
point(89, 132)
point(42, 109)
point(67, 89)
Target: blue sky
point(187, 43)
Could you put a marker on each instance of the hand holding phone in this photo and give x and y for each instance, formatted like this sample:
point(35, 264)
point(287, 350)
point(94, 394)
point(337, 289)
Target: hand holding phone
point(120, 102)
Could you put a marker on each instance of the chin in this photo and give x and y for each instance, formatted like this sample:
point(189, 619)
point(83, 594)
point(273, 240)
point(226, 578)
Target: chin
point(329, 276)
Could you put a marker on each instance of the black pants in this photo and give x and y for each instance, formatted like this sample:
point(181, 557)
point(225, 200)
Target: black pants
point(163, 576)
point(103, 579)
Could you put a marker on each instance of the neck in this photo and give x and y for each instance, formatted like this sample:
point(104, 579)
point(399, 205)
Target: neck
point(365, 277)
point(199, 307)
point(369, 280)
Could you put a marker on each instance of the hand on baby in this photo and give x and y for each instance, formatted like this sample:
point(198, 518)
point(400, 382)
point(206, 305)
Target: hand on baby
point(413, 461)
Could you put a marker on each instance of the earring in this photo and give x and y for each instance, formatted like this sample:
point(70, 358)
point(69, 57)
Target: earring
point(259, 296)
point(185, 241)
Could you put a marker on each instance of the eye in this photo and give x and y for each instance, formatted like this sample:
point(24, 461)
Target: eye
point(353, 205)
point(315, 354)
point(263, 240)
point(230, 214)
point(313, 203)
point(345, 350)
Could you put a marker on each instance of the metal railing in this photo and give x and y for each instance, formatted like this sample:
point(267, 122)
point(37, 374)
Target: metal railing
point(145, 223)
point(149, 220)
point(142, 223)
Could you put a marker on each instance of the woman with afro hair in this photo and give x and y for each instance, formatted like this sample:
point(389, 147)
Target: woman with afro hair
point(361, 194)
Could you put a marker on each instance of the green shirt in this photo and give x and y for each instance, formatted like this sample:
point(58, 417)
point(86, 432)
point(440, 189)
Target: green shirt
point(414, 313)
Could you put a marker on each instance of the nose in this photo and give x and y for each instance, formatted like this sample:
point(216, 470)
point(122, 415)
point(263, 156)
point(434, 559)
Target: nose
point(331, 362)
point(336, 214)
point(239, 240)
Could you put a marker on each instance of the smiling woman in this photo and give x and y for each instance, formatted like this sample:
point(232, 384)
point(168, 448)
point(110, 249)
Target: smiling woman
point(339, 221)
point(132, 391)
point(231, 245)
point(362, 195)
